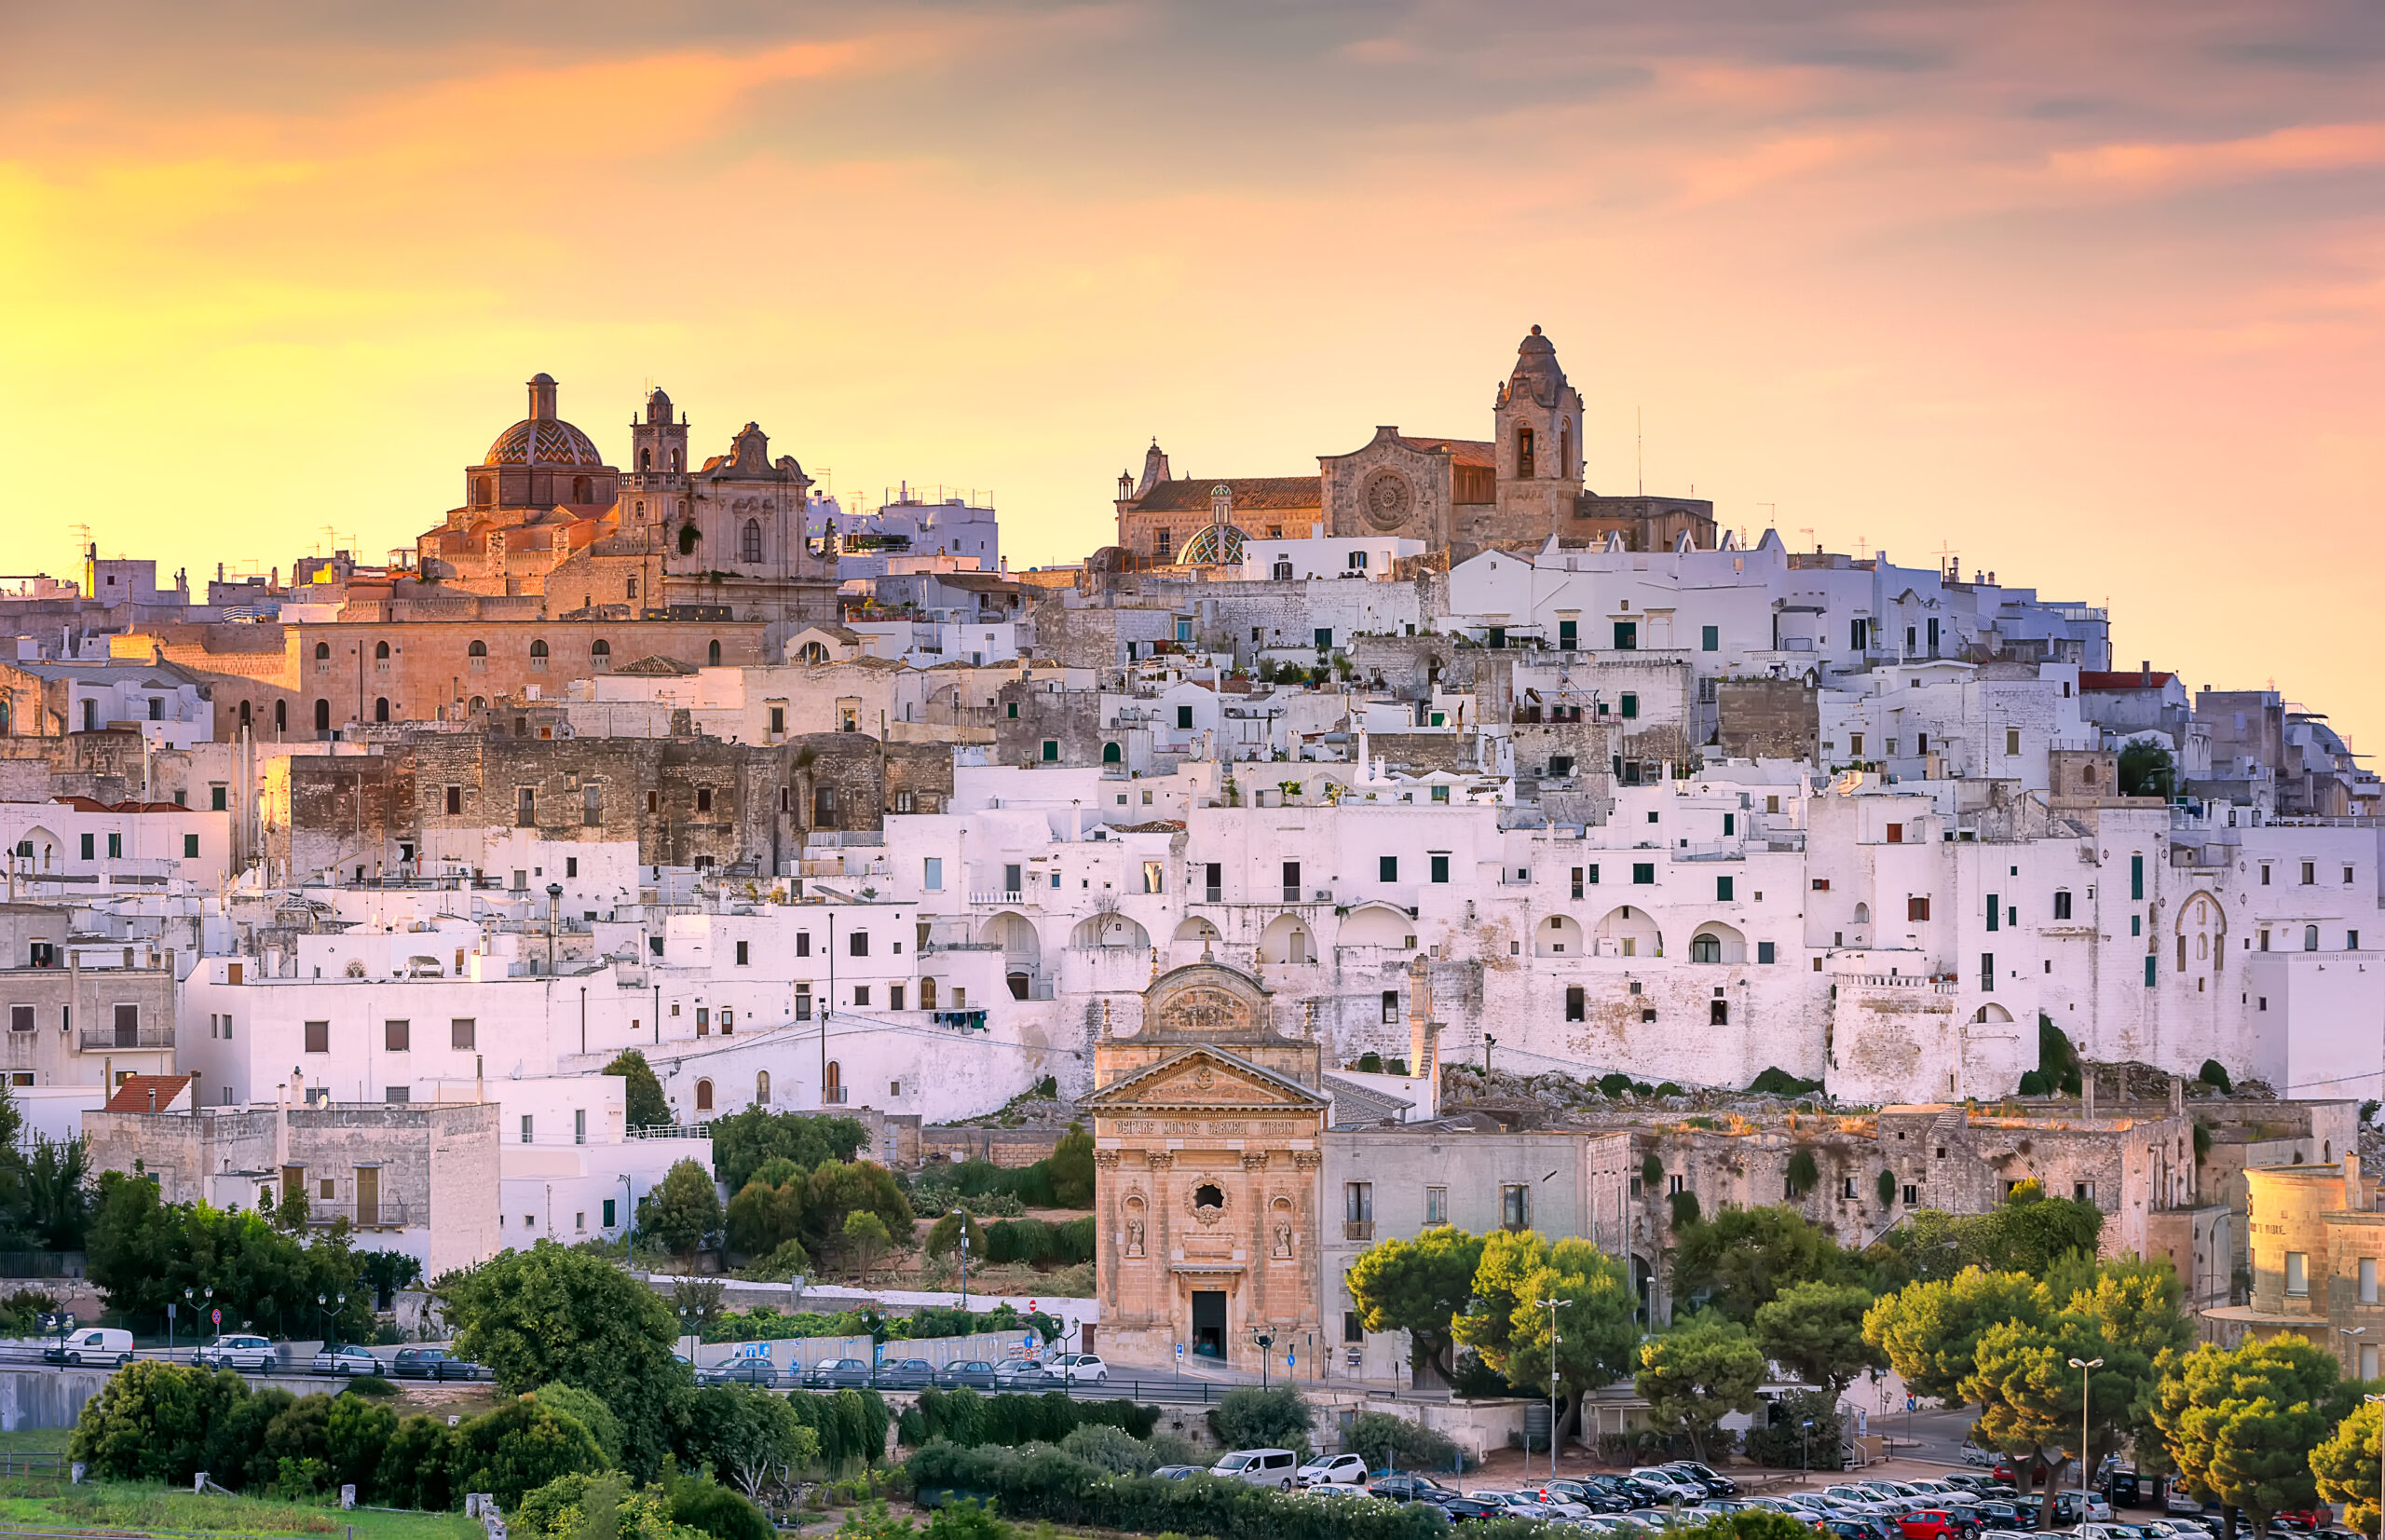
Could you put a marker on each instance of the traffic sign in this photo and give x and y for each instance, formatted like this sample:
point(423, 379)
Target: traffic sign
point(216, 1314)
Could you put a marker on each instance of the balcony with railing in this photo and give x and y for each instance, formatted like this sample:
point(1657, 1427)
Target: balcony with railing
point(148, 1034)
point(1357, 1230)
point(388, 1214)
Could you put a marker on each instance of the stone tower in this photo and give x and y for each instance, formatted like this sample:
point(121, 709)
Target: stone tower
point(1539, 444)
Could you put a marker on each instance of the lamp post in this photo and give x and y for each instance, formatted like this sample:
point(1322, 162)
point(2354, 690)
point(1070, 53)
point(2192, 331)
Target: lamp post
point(1805, 1450)
point(2381, 1461)
point(2085, 1367)
point(628, 1223)
point(328, 1307)
point(962, 1214)
point(554, 896)
point(2351, 1349)
point(1552, 1307)
point(1264, 1341)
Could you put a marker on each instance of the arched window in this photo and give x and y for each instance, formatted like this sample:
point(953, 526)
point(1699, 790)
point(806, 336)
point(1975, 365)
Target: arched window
point(1523, 453)
point(832, 1088)
point(244, 712)
point(1705, 948)
point(582, 489)
point(674, 465)
point(703, 1095)
point(1110, 754)
point(476, 656)
point(322, 716)
point(380, 652)
point(1565, 449)
point(281, 716)
point(927, 994)
point(2309, 938)
point(824, 804)
point(645, 462)
point(749, 541)
point(479, 704)
point(600, 654)
point(381, 708)
point(1862, 914)
point(688, 535)
point(323, 652)
point(1282, 571)
point(762, 1088)
point(538, 654)
point(712, 654)
point(480, 492)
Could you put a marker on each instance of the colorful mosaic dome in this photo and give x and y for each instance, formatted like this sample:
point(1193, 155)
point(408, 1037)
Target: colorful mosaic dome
point(549, 441)
point(1213, 545)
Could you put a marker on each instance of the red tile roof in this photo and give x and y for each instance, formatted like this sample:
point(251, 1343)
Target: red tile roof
point(1190, 495)
point(133, 1096)
point(1481, 452)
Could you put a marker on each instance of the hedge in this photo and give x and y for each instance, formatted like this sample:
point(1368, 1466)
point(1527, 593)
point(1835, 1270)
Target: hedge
point(966, 1419)
point(1040, 1243)
point(852, 1423)
point(1047, 1484)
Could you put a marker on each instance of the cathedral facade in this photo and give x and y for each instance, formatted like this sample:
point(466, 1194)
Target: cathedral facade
point(1519, 489)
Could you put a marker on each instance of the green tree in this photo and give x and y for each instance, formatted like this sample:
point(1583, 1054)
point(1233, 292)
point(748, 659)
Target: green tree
point(1418, 1287)
point(356, 1435)
point(742, 1141)
point(648, 1108)
point(590, 1413)
point(944, 1237)
point(2345, 1466)
point(1278, 1417)
point(763, 1217)
point(552, 1314)
point(682, 1210)
point(1815, 1331)
point(1930, 1332)
point(837, 1187)
point(1502, 1296)
point(2146, 768)
point(151, 1421)
point(750, 1437)
point(44, 1189)
point(1070, 1166)
point(143, 1252)
point(1698, 1373)
point(1737, 1261)
point(1597, 1334)
point(2239, 1423)
point(708, 1508)
point(521, 1446)
point(866, 1240)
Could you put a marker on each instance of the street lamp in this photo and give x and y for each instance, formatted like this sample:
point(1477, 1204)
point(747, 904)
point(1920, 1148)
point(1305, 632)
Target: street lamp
point(962, 1214)
point(329, 1306)
point(554, 896)
point(1551, 1306)
point(629, 1224)
point(1264, 1341)
point(1805, 1449)
point(2381, 1458)
point(2351, 1349)
point(2085, 1367)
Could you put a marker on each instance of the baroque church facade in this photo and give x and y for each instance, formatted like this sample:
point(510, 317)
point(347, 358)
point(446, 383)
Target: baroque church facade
point(545, 514)
point(1519, 489)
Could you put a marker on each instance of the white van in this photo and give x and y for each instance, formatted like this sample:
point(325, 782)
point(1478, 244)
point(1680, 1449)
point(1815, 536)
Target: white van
point(1260, 1468)
point(98, 1344)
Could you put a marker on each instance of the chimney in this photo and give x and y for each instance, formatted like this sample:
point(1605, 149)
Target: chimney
point(2355, 1195)
point(2087, 1096)
point(2144, 671)
point(2349, 1160)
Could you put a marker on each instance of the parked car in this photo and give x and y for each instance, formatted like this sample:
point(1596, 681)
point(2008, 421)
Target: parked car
point(1177, 1473)
point(1408, 1488)
point(1848, 1529)
point(1022, 1374)
point(905, 1374)
point(1260, 1468)
point(94, 1344)
point(976, 1373)
point(754, 1371)
point(838, 1374)
point(1593, 1494)
point(2121, 1486)
point(1995, 1514)
point(1937, 1524)
point(1713, 1480)
point(1672, 1483)
point(2177, 1501)
point(1465, 1510)
point(251, 1355)
point(418, 1363)
point(2303, 1520)
point(1518, 1505)
point(345, 1359)
point(1080, 1368)
point(1346, 1470)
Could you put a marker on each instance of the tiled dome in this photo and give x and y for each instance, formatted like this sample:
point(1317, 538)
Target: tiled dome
point(548, 441)
point(1213, 545)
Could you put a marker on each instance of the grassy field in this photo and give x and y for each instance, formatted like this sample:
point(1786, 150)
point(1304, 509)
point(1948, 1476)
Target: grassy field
point(135, 1506)
point(35, 1440)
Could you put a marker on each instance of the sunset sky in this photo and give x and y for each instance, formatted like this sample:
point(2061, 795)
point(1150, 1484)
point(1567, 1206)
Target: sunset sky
point(2090, 293)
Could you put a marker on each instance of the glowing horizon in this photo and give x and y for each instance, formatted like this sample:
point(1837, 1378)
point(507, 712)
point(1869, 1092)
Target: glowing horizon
point(2091, 296)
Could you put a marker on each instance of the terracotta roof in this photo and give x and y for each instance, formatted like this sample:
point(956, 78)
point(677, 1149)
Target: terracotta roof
point(1189, 495)
point(656, 664)
point(1481, 452)
point(2132, 679)
point(135, 1094)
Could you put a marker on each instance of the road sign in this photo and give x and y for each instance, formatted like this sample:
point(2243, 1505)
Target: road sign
point(68, 1324)
point(216, 1314)
point(170, 1312)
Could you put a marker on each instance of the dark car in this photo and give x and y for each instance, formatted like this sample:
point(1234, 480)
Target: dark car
point(1408, 1489)
point(1591, 1493)
point(1995, 1515)
point(1463, 1510)
point(434, 1363)
point(2121, 1488)
point(1180, 1473)
point(1848, 1529)
point(740, 1371)
point(905, 1374)
point(976, 1373)
point(838, 1374)
point(1713, 1481)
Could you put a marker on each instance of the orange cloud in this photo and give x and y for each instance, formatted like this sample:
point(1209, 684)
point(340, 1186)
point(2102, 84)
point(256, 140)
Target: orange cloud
point(2315, 147)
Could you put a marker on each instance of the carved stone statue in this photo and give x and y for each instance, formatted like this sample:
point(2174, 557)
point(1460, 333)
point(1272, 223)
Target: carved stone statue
point(1283, 1237)
point(1134, 1237)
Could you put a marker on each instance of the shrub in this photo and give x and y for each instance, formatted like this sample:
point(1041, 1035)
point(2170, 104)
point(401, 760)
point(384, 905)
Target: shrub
point(965, 1418)
point(152, 1420)
point(1113, 1449)
point(850, 1424)
point(2215, 1074)
point(1395, 1442)
point(590, 1411)
point(1777, 1082)
point(705, 1505)
point(521, 1446)
point(1276, 1418)
point(1782, 1441)
point(1685, 1208)
point(372, 1385)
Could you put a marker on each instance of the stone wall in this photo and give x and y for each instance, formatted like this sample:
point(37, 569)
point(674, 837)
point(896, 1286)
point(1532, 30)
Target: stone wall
point(1767, 718)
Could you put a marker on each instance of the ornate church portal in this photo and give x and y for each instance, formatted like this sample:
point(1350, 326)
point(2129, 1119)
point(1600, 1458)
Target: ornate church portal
point(1206, 1148)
